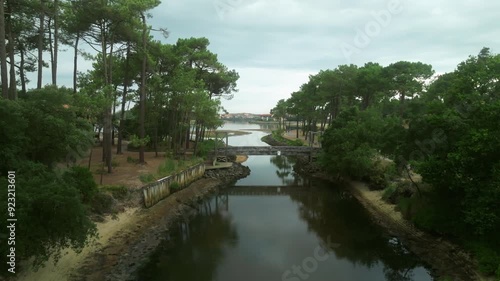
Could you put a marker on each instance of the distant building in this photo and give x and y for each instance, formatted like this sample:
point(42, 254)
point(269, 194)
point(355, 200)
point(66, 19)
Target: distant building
point(247, 116)
point(264, 117)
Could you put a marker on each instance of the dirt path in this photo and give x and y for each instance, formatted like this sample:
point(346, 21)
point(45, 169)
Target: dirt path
point(445, 258)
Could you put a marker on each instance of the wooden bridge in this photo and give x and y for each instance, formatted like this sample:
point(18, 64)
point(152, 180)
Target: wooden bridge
point(269, 150)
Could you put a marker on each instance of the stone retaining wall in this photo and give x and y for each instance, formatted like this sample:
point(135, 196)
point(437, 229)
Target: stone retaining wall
point(156, 191)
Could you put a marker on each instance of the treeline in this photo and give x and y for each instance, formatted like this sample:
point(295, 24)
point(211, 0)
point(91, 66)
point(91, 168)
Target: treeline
point(175, 83)
point(444, 128)
point(174, 89)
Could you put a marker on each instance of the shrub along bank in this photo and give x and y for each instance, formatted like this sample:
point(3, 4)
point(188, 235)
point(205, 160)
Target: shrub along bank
point(447, 130)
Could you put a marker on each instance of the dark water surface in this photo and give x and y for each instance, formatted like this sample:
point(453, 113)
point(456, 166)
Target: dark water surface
point(275, 225)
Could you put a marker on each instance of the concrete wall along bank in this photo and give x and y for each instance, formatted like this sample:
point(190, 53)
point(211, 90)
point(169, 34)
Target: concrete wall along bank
point(156, 191)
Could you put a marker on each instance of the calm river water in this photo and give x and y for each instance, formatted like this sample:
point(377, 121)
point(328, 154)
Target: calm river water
point(275, 226)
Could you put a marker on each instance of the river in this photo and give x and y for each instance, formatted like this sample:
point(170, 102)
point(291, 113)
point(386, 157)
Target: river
point(275, 225)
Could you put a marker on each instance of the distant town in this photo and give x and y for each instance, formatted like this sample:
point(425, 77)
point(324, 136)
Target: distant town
point(247, 116)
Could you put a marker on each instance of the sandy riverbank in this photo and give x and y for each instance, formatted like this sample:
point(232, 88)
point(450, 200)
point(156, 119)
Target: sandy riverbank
point(141, 234)
point(126, 239)
point(445, 258)
point(122, 241)
point(70, 260)
point(122, 229)
point(241, 158)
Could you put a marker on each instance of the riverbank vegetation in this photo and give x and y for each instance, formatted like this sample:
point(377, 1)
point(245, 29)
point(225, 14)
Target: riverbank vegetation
point(278, 136)
point(380, 122)
point(173, 92)
point(170, 167)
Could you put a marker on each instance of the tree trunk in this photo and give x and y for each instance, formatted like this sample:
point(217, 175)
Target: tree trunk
point(156, 141)
point(110, 82)
point(41, 34)
point(21, 69)
point(115, 94)
point(124, 100)
point(402, 103)
point(197, 131)
point(203, 131)
point(51, 49)
point(142, 102)
point(106, 146)
point(90, 156)
point(75, 61)
point(110, 64)
point(297, 128)
point(188, 129)
point(3, 53)
point(12, 78)
point(56, 43)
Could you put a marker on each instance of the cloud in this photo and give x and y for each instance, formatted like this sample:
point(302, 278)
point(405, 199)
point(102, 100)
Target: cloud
point(261, 88)
point(276, 44)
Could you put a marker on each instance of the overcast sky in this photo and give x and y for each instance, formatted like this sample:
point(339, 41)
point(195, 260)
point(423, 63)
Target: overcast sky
point(275, 44)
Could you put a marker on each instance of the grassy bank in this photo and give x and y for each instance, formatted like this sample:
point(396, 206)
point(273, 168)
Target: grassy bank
point(276, 138)
point(169, 167)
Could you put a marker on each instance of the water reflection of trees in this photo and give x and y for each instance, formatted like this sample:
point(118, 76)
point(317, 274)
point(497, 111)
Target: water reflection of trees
point(336, 216)
point(285, 170)
point(194, 248)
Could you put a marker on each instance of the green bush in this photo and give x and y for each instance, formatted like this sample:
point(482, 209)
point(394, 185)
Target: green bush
point(205, 147)
point(101, 171)
point(295, 142)
point(377, 181)
point(391, 171)
point(53, 215)
point(168, 167)
point(136, 142)
point(117, 191)
point(277, 134)
point(102, 203)
point(174, 187)
point(498, 273)
point(404, 206)
point(146, 178)
point(381, 172)
point(488, 259)
point(132, 160)
point(388, 193)
point(81, 178)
